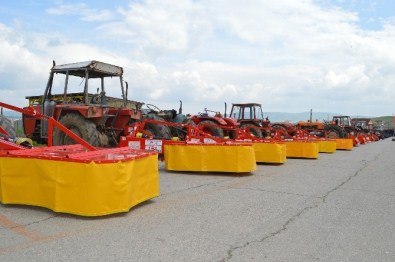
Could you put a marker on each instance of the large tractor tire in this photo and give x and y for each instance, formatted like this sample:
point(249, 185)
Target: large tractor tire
point(6, 124)
point(80, 126)
point(286, 127)
point(334, 131)
point(280, 127)
point(158, 130)
point(188, 121)
point(281, 130)
point(254, 130)
point(180, 119)
point(181, 132)
point(212, 130)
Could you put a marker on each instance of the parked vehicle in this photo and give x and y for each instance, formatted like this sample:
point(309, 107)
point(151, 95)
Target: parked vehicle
point(247, 116)
point(95, 117)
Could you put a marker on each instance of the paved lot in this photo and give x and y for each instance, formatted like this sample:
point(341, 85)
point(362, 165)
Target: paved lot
point(340, 207)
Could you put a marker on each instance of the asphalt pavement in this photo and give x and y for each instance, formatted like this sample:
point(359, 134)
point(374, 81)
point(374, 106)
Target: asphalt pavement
point(339, 207)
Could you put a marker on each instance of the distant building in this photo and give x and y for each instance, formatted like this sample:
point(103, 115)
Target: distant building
point(364, 123)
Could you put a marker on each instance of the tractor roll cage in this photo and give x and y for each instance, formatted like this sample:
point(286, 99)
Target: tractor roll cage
point(239, 111)
point(86, 70)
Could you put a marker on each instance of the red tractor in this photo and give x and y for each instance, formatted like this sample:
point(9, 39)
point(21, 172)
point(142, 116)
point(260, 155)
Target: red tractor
point(212, 124)
point(349, 129)
point(95, 117)
point(250, 116)
point(242, 115)
point(340, 127)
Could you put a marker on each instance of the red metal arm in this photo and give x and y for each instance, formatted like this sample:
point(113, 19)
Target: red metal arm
point(51, 122)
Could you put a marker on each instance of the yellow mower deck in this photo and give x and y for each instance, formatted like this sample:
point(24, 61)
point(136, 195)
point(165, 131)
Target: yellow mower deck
point(234, 158)
point(344, 144)
point(199, 155)
point(270, 152)
point(302, 149)
point(70, 179)
point(327, 146)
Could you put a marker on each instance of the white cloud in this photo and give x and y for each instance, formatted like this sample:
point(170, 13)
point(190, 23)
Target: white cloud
point(200, 90)
point(287, 55)
point(158, 27)
point(27, 58)
point(18, 66)
point(82, 10)
point(353, 76)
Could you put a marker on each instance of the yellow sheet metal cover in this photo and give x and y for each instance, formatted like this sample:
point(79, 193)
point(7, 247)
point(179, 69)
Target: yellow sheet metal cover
point(327, 146)
point(302, 149)
point(270, 152)
point(210, 158)
point(87, 189)
point(344, 144)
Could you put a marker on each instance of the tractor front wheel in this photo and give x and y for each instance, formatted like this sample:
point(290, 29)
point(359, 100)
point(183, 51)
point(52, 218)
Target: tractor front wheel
point(80, 126)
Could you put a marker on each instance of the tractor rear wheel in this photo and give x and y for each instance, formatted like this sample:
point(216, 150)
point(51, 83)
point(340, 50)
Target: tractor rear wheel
point(210, 129)
point(334, 131)
point(253, 129)
point(158, 130)
point(80, 126)
point(280, 129)
point(189, 122)
point(6, 124)
point(182, 132)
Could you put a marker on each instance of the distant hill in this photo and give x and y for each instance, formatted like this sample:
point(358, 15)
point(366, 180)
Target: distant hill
point(386, 121)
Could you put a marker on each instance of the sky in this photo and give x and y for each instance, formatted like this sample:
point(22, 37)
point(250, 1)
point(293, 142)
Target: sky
point(290, 56)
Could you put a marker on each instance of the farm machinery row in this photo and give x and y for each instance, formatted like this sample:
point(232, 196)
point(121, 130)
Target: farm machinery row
point(94, 139)
point(77, 163)
point(340, 127)
point(104, 121)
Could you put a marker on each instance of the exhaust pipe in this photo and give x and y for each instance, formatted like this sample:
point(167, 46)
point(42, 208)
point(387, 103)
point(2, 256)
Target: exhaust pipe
point(180, 109)
point(126, 91)
point(225, 110)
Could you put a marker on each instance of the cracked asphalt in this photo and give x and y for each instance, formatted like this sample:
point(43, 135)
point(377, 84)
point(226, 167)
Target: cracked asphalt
point(340, 207)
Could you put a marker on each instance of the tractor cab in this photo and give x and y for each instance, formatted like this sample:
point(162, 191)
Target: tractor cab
point(248, 113)
point(342, 121)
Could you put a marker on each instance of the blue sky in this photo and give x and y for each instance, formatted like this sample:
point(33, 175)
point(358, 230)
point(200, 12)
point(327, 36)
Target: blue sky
point(371, 14)
point(290, 56)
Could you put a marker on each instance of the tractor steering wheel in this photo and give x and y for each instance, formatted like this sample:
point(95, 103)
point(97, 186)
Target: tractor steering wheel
point(152, 107)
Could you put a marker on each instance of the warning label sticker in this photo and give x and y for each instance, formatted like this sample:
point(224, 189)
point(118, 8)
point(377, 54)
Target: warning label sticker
point(154, 144)
point(208, 141)
point(134, 144)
